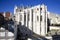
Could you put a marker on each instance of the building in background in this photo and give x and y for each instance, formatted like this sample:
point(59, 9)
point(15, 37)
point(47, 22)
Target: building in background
point(5, 14)
point(54, 20)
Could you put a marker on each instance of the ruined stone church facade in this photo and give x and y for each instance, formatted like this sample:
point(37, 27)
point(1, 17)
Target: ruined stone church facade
point(35, 18)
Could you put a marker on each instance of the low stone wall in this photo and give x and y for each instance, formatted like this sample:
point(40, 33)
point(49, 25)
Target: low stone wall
point(6, 35)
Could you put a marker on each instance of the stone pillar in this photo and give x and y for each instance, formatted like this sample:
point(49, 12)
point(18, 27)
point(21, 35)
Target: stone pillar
point(6, 34)
point(30, 20)
point(22, 18)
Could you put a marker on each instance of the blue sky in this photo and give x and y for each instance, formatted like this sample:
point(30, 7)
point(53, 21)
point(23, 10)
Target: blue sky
point(8, 5)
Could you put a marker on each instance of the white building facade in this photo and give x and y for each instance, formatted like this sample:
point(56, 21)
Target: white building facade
point(34, 18)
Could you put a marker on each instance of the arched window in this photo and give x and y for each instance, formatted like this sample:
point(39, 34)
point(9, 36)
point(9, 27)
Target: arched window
point(28, 16)
point(20, 17)
point(41, 18)
point(37, 9)
point(40, 8)
point(24, 16)
point(37, 18)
